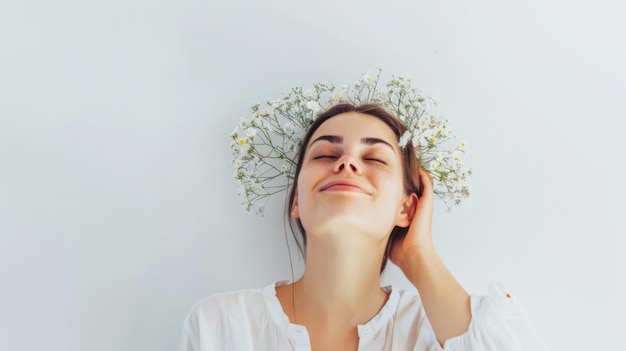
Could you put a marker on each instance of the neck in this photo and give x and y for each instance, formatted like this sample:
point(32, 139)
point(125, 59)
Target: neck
point(341, 281)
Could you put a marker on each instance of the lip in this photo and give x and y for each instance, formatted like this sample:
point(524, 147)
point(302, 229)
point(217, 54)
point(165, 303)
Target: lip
point(343, 185)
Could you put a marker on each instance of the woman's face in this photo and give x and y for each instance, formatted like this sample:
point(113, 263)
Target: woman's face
point(351, 179)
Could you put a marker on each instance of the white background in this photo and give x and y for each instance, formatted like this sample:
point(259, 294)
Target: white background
point(117, 204)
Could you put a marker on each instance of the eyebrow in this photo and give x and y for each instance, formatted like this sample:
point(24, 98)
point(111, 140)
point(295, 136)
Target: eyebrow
point(336, 139)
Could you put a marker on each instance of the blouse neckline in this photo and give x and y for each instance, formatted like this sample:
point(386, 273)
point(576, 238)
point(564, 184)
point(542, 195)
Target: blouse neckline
point(299, 333)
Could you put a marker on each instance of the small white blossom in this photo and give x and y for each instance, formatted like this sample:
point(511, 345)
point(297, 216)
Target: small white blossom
point(245, 148)
point(420, 141)
point(337, 96)
point(434, 165)
point(367, 78)
point(456, 157)
point(405, 139)
point(244, 123)
point(463, 146)
point(247, 206)
point(313, 106)
point(264, 147)
point(250, 133)
point(278, 103)
point(234, 134)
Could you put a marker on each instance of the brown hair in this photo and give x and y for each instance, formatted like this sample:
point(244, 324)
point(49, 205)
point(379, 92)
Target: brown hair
point(410, 165)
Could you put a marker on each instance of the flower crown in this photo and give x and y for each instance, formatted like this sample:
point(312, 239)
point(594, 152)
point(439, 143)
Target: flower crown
point(266, 145)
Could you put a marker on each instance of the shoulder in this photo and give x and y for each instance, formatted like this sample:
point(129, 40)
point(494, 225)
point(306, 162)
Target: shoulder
point(221, 321)
point(226, 306)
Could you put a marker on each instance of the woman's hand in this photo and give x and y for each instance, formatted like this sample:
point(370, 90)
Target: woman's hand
point(419, 236)
point(446, 303)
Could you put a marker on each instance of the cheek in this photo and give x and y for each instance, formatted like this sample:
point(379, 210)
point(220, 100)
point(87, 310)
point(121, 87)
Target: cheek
point(393, 189)
point(303, 188)
point(308, 175)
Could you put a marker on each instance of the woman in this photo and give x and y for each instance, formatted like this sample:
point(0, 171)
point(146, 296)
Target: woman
point(359, 199)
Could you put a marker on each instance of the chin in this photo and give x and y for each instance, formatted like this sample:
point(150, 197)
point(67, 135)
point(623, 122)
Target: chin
point(334, 220)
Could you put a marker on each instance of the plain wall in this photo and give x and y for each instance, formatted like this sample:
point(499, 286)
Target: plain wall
point(118, 210)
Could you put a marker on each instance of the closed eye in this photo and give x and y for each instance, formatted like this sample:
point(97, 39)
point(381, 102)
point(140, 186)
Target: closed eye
point(375, 160)
point(324, 156)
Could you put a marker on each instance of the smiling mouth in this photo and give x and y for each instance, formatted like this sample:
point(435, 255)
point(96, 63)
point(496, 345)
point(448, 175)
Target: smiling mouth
point(343, 187)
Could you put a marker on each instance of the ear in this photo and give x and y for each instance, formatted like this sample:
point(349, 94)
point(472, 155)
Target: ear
point(295, 211)
point(407, 210)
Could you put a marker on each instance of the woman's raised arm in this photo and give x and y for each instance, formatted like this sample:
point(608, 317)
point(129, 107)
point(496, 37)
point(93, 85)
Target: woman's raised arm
point(446, 303)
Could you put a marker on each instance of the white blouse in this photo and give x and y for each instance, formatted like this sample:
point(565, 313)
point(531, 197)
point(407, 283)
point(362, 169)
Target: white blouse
point(254, 320)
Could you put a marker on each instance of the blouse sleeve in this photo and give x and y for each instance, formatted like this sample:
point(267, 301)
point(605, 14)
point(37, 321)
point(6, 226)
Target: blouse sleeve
point(499, 322)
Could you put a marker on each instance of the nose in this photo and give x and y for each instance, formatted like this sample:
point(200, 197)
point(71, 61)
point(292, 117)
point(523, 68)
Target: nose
point(347, 163)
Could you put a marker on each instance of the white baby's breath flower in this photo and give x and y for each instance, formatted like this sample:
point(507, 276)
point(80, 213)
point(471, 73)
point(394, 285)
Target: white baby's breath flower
point(463, 146)
point(234, 134)
point(245, 124)
point(420, 141)
point(337, 96)
point(368, 79)
point(405, 139)
point(244, 151)
point(434, 165)
point(456, 157)
point(313, 106)
point(278, 103)
point(265, 145)
point(250, 133)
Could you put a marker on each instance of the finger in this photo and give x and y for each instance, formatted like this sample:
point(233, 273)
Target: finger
point(426, 181)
